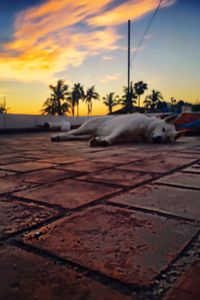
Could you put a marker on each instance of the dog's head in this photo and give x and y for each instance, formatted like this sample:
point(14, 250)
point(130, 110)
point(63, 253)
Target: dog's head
point(164, 130)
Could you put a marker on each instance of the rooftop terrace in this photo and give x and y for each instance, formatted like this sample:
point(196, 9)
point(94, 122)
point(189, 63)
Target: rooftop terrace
point(99, 223)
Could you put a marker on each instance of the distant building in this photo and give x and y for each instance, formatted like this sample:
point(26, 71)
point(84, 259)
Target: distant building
point(186, 108)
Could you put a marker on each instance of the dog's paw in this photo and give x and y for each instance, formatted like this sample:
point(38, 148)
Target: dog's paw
point(96, 142)
point(55, 138)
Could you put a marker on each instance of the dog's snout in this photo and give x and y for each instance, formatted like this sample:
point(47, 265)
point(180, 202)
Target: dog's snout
point(157, 139)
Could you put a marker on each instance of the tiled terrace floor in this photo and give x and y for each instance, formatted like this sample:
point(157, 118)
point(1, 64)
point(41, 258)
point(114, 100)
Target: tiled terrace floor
point(99, 223)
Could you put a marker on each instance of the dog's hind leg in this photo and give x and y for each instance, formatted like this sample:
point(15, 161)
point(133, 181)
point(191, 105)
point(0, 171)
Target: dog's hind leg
point(84, 132)
point(80, 133)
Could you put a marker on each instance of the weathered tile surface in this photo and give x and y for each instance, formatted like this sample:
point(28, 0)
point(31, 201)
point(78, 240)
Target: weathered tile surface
point(117, 159)
point(47, 176)
point(16, 215)
point(193, 169)
point(120, 177)
point(65, 159)
point(26, 276)
point(87, 166)
point(165, 199)
point(12, 160)
point(161, 164)
point(26, 166)
point(128, 246)
point(111, 245)
point(68, 193)
point(182, 179)
point(6, 173)
point(187, 288)
point(12, 183)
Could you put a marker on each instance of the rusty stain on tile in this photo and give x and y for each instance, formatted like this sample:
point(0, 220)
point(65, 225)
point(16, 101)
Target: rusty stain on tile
point(120, 177)
point(129, 246)
point(16, 215)
point(25, 275)
point(68, 193)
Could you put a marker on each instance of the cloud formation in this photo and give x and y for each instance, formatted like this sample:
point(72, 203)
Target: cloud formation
point(112, 77)
point(132, 9)
point(60, 33)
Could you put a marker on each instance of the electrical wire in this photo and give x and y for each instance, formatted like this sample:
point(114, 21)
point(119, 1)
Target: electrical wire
point(146, 30)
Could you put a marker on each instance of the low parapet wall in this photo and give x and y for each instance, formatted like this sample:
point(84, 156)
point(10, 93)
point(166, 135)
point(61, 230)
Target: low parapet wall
point(77, 121)
point(21, 121)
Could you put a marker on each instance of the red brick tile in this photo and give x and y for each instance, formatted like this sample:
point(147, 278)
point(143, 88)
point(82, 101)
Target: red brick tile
point(157, 165)
point(6, 173)
point(68, 193)
point(16, 215)
point(62, 159)
point(26, 276)
point(192, 169)
point(181, 295)
point(117, 159)
point(121, 177)
point(128, 246)
point(87, 166)
point(182, 179)
point(187, 287)
point(12, 183)
point(12, 160)
point(26, 166)
point(171, 200)
point(194, 156)
point(47, 176)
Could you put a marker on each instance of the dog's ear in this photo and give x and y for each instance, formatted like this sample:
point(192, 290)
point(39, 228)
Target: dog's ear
point(179, 134)
point(171, 119)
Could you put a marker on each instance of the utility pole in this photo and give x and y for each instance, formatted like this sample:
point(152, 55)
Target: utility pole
point(129, 104)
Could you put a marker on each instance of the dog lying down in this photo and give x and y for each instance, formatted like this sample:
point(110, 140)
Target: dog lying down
point(136, 127)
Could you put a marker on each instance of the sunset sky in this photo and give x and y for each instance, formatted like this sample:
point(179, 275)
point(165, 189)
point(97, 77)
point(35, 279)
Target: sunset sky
point(85, 41)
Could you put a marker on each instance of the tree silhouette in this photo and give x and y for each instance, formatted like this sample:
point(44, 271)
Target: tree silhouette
point(72, 100)
point(78, 94)
point(110, 101)
point(140, 88)
point(57, 103)
point(91, 95)
point(124, 100)
point(3, 107)
point(152, 100)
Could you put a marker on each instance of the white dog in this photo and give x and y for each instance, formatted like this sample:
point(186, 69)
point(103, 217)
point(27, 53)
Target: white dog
point(109, 130)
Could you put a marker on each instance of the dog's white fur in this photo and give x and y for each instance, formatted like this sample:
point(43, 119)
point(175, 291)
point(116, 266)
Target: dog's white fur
point(109, 130)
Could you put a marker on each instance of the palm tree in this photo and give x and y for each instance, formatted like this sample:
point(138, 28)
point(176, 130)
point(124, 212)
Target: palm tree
point(110, 101)
point(132, 95)
point(49, 107)
point(173, 103)
point(147, 103)
point(3, 107)
point(78, 94)
point(153, 99)
point(72, 100)
point(90, 95)
point(57, 104)
point(140, 88)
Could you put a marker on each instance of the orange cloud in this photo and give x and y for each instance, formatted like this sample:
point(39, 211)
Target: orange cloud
point(47, 38)
point(132, 9)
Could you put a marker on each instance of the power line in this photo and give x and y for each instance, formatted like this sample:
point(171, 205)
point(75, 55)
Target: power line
point(146, 30)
